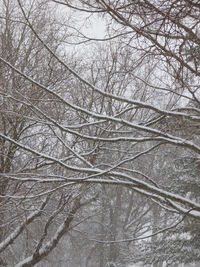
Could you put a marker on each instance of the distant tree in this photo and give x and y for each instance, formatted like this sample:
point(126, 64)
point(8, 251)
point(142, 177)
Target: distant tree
point(95, 133)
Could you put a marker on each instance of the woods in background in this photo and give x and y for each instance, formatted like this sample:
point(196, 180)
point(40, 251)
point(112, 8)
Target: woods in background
point(99, 137)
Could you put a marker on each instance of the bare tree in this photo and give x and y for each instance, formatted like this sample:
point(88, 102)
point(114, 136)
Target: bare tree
point(74, 130)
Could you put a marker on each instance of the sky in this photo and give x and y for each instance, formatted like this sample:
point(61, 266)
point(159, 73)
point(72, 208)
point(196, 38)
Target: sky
point(96, 29)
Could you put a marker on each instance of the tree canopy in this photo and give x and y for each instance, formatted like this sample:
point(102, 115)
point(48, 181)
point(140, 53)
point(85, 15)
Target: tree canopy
point(99, 136)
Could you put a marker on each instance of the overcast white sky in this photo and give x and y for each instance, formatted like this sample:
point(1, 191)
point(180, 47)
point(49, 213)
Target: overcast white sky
point(96, 29)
